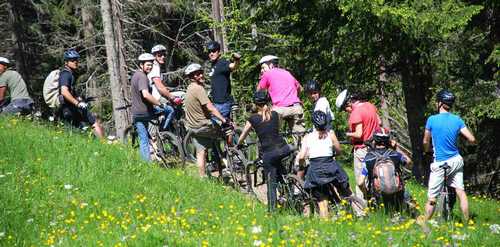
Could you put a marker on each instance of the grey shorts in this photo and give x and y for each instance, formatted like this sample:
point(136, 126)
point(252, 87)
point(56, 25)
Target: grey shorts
point(203, 138)
point(455, 176)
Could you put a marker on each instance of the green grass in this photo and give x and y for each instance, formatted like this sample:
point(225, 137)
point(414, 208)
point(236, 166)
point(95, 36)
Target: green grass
point(64, 189)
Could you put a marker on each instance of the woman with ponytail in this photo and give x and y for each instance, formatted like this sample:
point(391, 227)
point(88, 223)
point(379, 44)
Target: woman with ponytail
point(266, 124)
point(320, 147)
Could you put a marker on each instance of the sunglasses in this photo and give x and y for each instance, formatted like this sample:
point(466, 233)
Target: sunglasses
point(160, 55)
point(212, 51)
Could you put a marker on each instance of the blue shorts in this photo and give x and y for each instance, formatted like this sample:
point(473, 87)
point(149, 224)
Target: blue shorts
point(224, 109)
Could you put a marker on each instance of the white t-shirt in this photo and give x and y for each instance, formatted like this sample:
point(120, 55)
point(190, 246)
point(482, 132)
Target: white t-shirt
point(323, 105)
point(318, 147)
point(155, 73)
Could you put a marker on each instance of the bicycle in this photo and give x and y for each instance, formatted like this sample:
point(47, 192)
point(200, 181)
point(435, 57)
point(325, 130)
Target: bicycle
point(162, 144)
point(446, 199)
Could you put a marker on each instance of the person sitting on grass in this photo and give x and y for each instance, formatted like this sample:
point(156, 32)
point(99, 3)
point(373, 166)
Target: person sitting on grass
point(384, 148)
point(323, 173)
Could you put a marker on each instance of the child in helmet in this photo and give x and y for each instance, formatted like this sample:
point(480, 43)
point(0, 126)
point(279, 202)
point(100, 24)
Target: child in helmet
point(320, 103)
point(320, 147)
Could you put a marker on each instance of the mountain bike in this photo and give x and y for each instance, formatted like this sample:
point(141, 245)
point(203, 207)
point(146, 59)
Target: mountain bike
point(446, 198)
point(163, 145)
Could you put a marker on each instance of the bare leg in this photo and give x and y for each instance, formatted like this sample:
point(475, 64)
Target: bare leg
point(429, 208)
point(323, 208)
point(98, 130)
point(200, 160)
point(464, 204)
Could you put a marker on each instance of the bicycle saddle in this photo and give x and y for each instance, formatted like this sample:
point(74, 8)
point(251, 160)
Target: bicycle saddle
point(444, 166)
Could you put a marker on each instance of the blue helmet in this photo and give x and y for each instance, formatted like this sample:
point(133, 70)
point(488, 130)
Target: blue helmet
point(319, 120)
point(213, 46)
point(71, 55)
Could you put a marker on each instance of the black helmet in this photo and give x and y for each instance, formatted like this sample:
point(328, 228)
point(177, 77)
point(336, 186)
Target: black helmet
point(312, 86)
point(319, 120)
point(71, 55)
point(446, 97)
point(381, 136)
point(213, 46)
point(260, 97)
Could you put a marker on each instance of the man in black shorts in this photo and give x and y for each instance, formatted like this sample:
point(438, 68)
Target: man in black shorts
point(73, 108)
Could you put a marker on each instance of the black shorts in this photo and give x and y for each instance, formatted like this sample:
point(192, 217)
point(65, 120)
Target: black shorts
point(76, 116)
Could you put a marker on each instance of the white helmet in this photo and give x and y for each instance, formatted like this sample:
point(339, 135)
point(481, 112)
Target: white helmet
point(158, 48)
point(267, 58)
point(144, 57)
point(4, 60)
point(341, 99)
point(192, 68)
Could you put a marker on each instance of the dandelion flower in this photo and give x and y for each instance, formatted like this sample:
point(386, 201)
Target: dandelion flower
point(68, 186)
point(257, 242)
point(495, 228)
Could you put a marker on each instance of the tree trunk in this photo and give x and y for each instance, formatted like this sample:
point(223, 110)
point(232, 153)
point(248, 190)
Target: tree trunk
point(416, 79)
point(88, 13)
point(384, 108)
point(113, 36)
point(17, 23)
point(219, 32)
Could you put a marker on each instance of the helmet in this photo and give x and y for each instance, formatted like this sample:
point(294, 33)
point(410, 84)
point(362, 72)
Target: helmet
point(260, 97)
point(341, 100)
point(312, 86)
point(4, 60)
point(267, 58)
point(145, 57)
point(319, 120)
point(71, 55)
point(213, 46)
point(192, 68)
point(446, 97)
point(381, 136)
point(158, 48)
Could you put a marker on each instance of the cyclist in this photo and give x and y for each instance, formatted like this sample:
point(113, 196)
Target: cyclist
point(11, 81)
point(313, 90)
point(220, 78)
point(384, 146)
point(444, 128)
point(274, 148)
point(73, 108)
point(158, 89)
point(320, 147)
point(143, 102)
point(363, 121)
point(198, 109)
point(284, 91)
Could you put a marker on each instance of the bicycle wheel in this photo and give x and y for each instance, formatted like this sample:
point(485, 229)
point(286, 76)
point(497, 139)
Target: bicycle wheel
point(172, 147)
point(130, 137)
point(189, 148)
point(443, 209)
point(237, 165)
point(293, 195)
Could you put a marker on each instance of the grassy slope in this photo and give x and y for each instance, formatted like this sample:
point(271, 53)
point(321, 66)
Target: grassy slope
point(67, 190)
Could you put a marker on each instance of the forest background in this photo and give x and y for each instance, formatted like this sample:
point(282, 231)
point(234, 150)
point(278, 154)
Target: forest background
point(396, 53)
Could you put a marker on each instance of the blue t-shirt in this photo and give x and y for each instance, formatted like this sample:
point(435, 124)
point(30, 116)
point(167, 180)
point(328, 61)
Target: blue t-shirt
point(444, 128)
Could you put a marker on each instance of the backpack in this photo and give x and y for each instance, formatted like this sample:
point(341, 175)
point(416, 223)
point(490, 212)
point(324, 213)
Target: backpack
point(386, 179)
point(51, 89)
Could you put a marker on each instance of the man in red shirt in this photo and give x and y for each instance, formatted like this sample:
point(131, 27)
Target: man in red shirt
point(363, 121)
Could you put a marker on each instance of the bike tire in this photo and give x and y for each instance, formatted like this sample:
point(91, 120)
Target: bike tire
point(130, 137)
point(189, 148)
point(172, 146)
point(237, 164)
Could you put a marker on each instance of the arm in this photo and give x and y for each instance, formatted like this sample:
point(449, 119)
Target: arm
point(336, 143)
point(301, 156)
point(2, 93)
point(162, 89)
point(263, 83)
point(211, 108)
point(468, 135)
point(236, 62)
point(149, 97)
point(427, 140)
point(68, 96)
point(245, 132)
point(358, 132)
